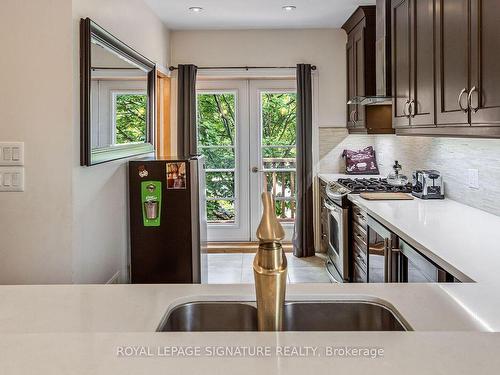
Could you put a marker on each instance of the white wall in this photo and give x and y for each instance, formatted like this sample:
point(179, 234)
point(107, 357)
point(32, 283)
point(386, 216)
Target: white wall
point(100, 240)
point(70, 224)
point(324, 48)
point(35, 108)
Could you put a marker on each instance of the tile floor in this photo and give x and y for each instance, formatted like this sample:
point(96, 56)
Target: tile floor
point(236, 268)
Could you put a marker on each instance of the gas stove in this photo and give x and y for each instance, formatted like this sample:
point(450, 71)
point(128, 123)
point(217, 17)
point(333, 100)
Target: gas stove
point(338, 191)
point(372, 185)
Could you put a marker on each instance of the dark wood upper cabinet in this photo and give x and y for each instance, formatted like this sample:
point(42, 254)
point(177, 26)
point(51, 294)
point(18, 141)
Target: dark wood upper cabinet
point(422, 97)
point(484, 87)
point(360, 28)
point(401, 62)
point(459, 93)
point(413, 63)
point(452, 62)
point(361, 74)
point(351, 81)
point(360, 68)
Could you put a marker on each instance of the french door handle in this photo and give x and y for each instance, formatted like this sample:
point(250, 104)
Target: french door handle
point(255, 170)
point(469, 100)
point(464, 91)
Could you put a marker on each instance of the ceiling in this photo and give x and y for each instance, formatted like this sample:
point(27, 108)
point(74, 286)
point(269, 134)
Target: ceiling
point(254, 14)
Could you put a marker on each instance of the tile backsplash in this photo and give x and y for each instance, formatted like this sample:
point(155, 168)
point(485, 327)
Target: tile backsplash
point(453, 157)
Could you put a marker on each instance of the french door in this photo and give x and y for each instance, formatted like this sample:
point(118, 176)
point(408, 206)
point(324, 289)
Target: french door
point(246, 131)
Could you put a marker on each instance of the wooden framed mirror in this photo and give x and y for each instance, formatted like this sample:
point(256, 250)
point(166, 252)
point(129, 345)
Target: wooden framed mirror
point(117, 117)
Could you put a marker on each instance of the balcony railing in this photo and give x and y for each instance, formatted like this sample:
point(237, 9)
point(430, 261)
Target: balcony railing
point(280, 180)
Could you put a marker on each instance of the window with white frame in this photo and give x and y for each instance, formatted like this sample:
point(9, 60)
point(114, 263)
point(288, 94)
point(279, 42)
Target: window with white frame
point(130, 117)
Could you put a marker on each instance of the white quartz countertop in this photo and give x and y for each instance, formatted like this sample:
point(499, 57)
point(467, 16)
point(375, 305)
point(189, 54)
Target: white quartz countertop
point(78, 329)
point(427, 353)
point(462, 239)
point(141, 308)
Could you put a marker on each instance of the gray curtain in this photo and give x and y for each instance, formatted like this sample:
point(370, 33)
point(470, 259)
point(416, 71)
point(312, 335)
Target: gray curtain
point(186, 110)
point(303, 241)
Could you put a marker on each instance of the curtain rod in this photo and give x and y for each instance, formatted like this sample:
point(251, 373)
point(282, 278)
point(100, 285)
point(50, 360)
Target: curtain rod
point(172, 68)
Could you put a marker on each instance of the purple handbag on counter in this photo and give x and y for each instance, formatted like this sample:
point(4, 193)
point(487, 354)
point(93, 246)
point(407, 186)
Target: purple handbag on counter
point(361, 161)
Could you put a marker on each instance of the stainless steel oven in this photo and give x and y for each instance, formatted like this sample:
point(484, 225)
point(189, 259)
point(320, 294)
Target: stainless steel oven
point(337, 238)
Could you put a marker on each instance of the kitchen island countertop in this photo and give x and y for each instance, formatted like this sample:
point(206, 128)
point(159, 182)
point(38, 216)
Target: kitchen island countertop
point(86, 329)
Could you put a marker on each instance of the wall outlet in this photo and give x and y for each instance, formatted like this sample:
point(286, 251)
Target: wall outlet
point(11, 179)
point(11, 153)
point(473, 178)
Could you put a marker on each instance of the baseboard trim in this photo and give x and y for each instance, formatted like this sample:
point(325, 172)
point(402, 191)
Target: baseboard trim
point(115, 279)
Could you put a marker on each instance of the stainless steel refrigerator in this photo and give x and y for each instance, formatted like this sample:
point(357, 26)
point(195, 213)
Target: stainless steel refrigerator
point(168, 227)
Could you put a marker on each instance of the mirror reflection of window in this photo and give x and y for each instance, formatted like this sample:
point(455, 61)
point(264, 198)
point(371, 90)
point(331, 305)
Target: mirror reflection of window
point(129, 117)
point(119, 100)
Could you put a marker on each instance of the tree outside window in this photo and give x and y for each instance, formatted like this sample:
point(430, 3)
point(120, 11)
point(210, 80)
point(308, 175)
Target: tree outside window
point(130, 117)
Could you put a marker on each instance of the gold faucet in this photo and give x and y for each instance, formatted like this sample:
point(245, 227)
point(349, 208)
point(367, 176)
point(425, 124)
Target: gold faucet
point(270, 269)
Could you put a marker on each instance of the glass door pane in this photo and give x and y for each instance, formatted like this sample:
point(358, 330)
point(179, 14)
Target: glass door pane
point(222, 131)
point(216, 141)
point(278, 150)
point(273, 115)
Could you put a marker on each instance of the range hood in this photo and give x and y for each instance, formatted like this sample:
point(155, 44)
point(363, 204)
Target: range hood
point(383, 74)
point(371, 100)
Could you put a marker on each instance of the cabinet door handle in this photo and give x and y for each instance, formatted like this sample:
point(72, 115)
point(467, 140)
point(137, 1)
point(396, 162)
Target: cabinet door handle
point(411, 108)
point(469, 100)
point(405, 113)
point(387, 271)
point(464, 91)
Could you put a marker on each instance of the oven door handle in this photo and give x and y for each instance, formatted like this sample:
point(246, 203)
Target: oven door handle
point(331, 208)
point(332, 276)
point(336, 195)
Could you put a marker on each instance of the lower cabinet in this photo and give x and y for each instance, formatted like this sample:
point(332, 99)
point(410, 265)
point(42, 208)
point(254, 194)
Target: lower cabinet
point(415, 268)
point(379, 256)
point(359, 274)
point(359, 245)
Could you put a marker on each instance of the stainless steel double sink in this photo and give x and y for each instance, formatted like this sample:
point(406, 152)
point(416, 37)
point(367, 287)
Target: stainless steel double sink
point(299, 316)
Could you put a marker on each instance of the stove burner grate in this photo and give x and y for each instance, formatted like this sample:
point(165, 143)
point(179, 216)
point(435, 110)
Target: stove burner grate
point(361, 185)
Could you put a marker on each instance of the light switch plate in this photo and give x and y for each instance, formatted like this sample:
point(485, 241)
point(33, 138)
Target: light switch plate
point(473, 178)
point(11, 153)
point(11, 179)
